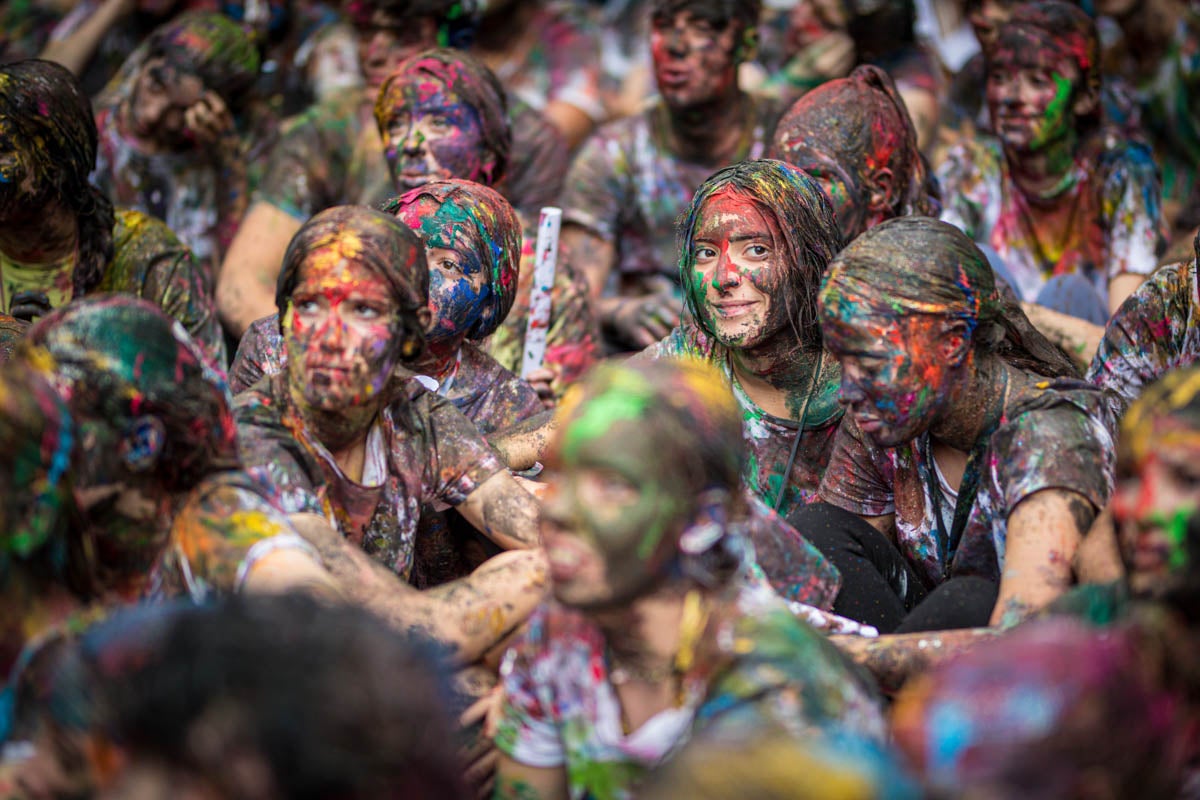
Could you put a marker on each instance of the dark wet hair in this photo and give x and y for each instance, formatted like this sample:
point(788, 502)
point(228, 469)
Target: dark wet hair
point(329, 700)
point(720, 14)
point(385, 246)
point(499, 233)
point(51, 121)
point(807, 224)
point(920, 265)
point(470, 79)
point(456, 20)
point(122, 358)
point(212, 47)
point(862, 122)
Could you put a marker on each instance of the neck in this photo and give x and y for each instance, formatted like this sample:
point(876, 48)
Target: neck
point(47, 234)
point(646, 634)
point(968, 410)
point(1041, 173)
point(439, 358)
point(777, 375)
point(693, 136)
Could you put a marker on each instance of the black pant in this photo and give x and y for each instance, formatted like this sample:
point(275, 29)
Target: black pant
point(879, 586)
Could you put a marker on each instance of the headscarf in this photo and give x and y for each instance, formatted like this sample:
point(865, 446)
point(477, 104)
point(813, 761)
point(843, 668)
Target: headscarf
point(862, 123)
point(382, 244)
point(46, 115)
point(806, 221)
point(920, 265)
point(210, 46)
point(466, 77)
point(499, 234)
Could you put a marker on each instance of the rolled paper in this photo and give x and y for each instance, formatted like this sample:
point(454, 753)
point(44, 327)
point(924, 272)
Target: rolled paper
point(545, 263)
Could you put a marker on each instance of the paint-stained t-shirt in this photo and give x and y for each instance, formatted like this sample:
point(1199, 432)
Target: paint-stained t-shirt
point(1156, 330)
point(756, 666)
point(485, 392)
point(1054, 435)
point(420, 451)
point(770, 438)
point(1113, 213)
point(627, 188)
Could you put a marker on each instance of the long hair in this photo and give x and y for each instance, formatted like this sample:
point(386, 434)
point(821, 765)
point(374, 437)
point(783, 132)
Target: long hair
point(807, 224)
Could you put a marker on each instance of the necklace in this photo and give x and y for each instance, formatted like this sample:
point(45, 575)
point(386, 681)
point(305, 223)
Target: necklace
point(791, 462)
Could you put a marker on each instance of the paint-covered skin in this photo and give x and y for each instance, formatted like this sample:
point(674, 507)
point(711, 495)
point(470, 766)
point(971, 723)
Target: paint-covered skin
point(1106, 220)
point(424, 451)
point(756, 666)
point(1053, 435)
point(1031, 95)
point(11, 331)
point(1156, 330)
point(695, 61)
point(626, 187)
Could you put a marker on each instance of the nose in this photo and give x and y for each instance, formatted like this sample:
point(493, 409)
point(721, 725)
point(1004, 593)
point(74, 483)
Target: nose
point(675, 45)
point(850, 392)
point(1133, 500)
point(726, 275)
point(413, 142)
point(332, 333)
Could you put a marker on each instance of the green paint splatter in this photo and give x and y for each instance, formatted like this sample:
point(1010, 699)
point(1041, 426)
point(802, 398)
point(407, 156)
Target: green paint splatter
point(1176, 527)
point(624, 400)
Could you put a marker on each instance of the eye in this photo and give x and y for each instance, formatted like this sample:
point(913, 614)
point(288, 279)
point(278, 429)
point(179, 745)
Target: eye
point(440, 122)
point(305, 305)
point(705, 253)
point(758, 250)
point(1186, 477)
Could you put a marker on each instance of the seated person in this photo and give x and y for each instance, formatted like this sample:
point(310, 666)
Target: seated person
point(59, 235)
point(1156, 330)
point(654, 635)
point(634, 176)
point(978, 465)
point(343, 435)
point(1076, 222)
point(169, 142)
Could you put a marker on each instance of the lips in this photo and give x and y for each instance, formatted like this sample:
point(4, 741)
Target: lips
point(673, 78)
point(565, 563)
point(730, 309)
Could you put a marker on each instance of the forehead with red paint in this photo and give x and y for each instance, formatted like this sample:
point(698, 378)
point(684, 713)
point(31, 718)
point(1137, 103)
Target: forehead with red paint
point(729, 216)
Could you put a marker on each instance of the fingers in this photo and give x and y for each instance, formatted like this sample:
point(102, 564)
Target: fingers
point(209, 118)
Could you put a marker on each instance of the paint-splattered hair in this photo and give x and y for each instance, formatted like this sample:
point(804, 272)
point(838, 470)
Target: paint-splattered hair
point(49, 119)
point(919, 265)
point(806, 221)
point(455, 20)
point(118, 358)
point(1063, 29)
point(469, 79)
point(862, 123)
point(212, 47)
point(380, 243)
point(720, 14)
point(499, 235)
point(37, 435)
point(1174, 397)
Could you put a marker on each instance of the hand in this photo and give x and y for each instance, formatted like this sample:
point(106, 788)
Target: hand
point(542, 380)
point(211, 123)
point(29, 305)
point(535, 488)
point(642, 321)
point(480, 719)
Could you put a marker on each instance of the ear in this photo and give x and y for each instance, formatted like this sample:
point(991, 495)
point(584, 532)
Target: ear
point(955, 342)
point(143, 445)
point(747, 49)
point(1087, 98)
point(425, 318)
point(881, 191)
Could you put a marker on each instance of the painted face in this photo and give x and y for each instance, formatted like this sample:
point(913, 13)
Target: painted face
point(459, 283)
point(22, 184)
point(610, 506)
point(1031, 95)
point(384, 41)
point(694, 63)
point(1154, 501)
point(160, 100)
point(894, 376)
point(987, 18)
point(339, 329)
point(844, 189)
point(435, 135)
point(738, 260)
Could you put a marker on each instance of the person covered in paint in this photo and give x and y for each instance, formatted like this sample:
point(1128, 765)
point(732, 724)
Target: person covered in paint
point(654, 635)
point(60, 237)
point(1051, 710)
point(855, 137)
point(969, 464)
point(331, 154)
point(753, 245)
point(169, 144)
point(420, 146)
point(1076, 222)
point(1154, 331)
point(634, 176)
point(342, 433)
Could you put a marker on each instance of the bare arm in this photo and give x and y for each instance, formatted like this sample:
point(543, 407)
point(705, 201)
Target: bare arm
point(288, 570)
point(469, 615)
point(246, 287)
point(1078, 337)
point(1120, 287)
point(570, 120)
point(522, 445)
point(76, 50)
point(503, 512)
point(1044, 532)
point(894, 658)
point(515, 781)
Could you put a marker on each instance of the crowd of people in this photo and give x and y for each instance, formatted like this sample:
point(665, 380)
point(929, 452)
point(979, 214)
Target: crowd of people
point(598, 400)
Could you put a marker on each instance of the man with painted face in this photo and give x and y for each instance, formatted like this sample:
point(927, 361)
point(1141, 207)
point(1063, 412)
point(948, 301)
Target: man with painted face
point(169, 146)
point(59, 235)
point(634, 176)
point(1076, 222)
point(654, 636)
point(331, 154)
